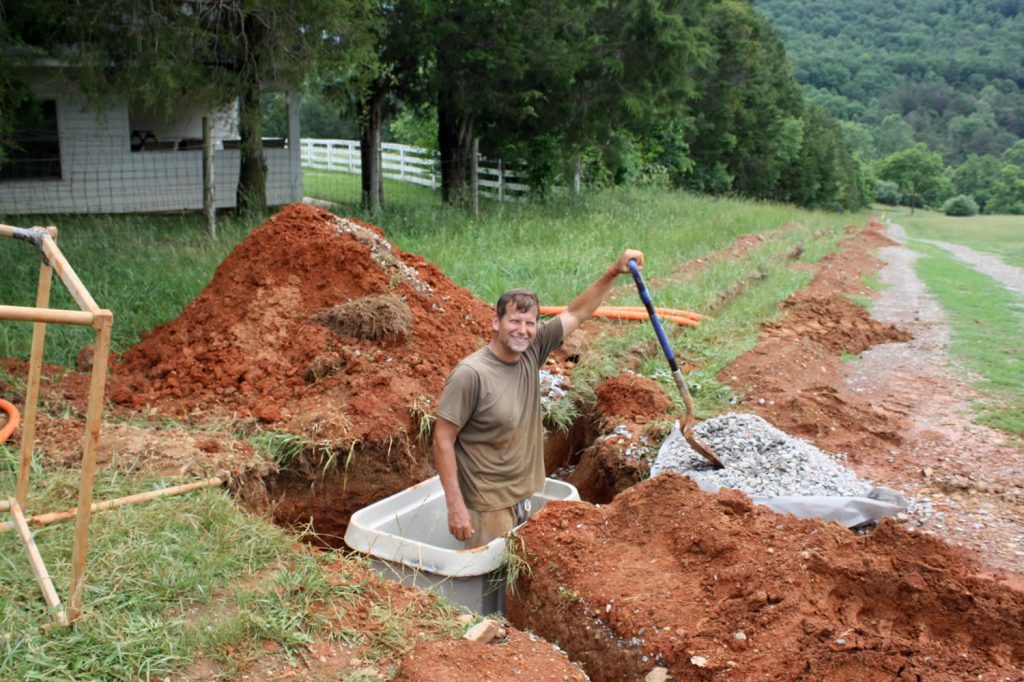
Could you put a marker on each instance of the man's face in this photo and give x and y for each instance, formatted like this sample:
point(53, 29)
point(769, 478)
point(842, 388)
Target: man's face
point(516, 329)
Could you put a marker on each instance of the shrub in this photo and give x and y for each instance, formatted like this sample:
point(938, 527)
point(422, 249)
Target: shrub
point(960, 205)
point(887, 193)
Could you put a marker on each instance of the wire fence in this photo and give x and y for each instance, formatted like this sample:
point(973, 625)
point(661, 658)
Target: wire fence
point(96, 173)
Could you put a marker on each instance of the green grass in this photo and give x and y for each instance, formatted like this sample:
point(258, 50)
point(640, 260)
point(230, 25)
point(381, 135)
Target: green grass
point(346, 189)
point(987, 324)
point(148, 563)
point(560, 247)
point(173, 580)
point(1002, 235)
point(144, 268)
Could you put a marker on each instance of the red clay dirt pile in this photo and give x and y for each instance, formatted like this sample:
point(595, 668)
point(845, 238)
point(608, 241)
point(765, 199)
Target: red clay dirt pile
point(631, 413)
point(713, 586)
point(317, 326)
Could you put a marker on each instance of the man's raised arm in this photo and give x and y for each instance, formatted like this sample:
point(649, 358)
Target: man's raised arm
point(584, 305)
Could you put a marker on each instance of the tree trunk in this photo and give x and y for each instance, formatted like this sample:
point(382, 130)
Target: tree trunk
point(252, 173)
point(371, 119)
point(454, 141)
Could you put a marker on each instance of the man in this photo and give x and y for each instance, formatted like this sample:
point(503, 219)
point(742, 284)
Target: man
point(488, 437)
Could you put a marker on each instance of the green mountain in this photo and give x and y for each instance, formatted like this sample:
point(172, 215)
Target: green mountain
point(949, 73)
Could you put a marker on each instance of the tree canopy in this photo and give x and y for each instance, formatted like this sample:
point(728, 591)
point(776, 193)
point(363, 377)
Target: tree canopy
point(696, 93)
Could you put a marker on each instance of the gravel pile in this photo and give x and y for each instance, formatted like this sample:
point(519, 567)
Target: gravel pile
point(759, 460)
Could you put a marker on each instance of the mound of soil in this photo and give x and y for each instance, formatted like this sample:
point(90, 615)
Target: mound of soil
point(714, 586)
point(632, 397)
point(632, 416)
point(242, 346)
point(315, 326)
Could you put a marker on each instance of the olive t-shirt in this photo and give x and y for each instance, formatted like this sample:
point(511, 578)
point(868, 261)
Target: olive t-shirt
point(500, 447)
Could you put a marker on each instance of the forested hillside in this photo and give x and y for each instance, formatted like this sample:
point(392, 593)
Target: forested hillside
point(947, 73)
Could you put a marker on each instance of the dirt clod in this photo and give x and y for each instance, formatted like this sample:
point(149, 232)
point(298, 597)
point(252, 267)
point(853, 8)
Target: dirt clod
point(369, 318)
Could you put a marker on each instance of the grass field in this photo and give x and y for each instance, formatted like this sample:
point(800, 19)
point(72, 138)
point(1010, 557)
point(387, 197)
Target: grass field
point(147, 268)
point(999, 234)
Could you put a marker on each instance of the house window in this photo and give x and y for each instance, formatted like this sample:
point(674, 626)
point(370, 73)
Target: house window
point(274, 109)
point(33, 149)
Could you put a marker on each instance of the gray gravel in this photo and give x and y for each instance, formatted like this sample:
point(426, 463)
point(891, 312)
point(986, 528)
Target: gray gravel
point(766, 463)
point(758, 459)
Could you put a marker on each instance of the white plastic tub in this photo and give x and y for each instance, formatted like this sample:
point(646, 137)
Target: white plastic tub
point(407, 538)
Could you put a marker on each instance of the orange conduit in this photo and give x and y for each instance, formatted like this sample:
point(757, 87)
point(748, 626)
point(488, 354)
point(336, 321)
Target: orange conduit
point(13, 419)
point(621, 313)
point(675, 312)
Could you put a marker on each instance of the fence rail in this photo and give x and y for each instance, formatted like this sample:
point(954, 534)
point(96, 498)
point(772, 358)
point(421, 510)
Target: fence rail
point(406, 163)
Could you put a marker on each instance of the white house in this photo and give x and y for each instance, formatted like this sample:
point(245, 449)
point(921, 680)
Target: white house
point(77, 157)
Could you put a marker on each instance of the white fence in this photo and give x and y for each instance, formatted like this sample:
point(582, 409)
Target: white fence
point(405, 163)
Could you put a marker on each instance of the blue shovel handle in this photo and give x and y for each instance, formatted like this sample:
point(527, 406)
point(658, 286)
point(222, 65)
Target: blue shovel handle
point(645, 296)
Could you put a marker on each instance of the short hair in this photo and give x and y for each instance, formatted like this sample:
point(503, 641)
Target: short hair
point(522, 300)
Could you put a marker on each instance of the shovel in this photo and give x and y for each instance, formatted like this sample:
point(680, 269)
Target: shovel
point(688, 421)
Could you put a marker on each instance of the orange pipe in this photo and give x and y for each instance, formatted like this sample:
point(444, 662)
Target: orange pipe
point(13, 419)
point(616, 313)
point(676, 312)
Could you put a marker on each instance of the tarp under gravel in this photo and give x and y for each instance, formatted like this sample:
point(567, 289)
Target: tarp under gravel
point(786, 474)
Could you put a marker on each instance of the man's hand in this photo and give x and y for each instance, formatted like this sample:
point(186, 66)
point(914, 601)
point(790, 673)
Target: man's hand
point(458, 521)
point(622, 264)
point(445, 433)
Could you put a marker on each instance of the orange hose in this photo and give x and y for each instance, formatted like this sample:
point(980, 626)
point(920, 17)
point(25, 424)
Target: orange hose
point(642, 315)
point(620, 313)
point(13, 419)
point(675, 312)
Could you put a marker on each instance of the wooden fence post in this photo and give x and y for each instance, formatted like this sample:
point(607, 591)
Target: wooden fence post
point(209, 195)
point(474, 175)
point(501, 180)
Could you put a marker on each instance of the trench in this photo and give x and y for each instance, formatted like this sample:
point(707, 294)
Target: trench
point(317, 501)
point(315, 495)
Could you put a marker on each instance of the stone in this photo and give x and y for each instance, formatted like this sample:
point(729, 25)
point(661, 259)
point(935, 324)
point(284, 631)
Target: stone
point(483, 632)
point(658, 674)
